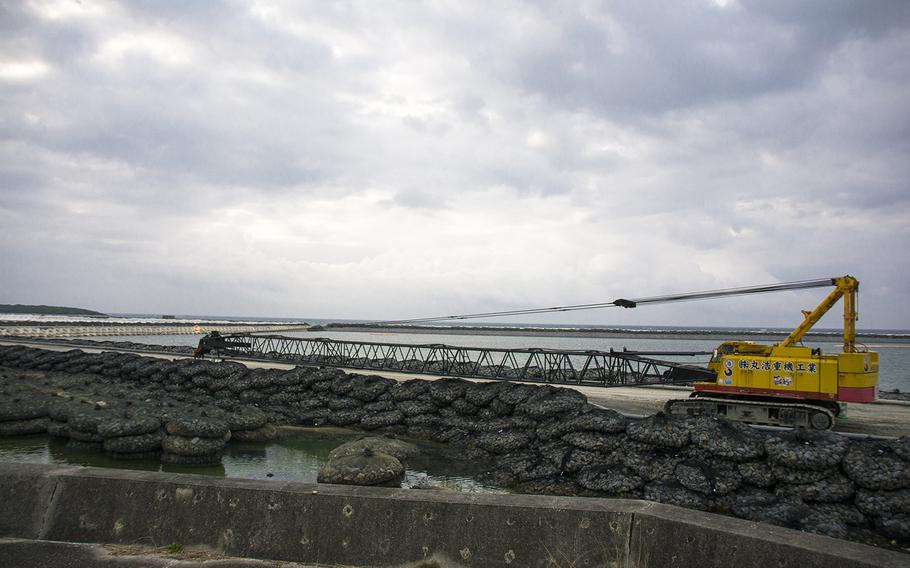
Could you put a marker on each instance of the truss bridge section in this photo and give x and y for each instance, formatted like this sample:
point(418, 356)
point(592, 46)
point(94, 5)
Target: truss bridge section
point(590, 368)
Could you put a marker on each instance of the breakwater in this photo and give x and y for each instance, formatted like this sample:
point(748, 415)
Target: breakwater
point(542, 439)
point(98, 329)
point(104, 344)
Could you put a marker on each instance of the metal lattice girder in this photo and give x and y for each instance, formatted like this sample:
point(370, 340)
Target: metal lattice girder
point(594, 368)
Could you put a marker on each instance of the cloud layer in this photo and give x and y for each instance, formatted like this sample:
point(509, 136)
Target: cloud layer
point(390, 160)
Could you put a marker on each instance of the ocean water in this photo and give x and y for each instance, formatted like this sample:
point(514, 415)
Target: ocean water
point(893, 346)
point(894, 357)
point(890, 335)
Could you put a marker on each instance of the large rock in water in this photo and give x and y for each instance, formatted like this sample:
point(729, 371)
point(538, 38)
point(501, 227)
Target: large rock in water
point(367, 461)
point(378, 445)
point(365, 468)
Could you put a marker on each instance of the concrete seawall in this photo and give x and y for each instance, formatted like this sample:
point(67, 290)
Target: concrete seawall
point(358, 526)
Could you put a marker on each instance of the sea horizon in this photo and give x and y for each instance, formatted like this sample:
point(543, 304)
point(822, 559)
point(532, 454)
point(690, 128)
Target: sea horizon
point(136, 317)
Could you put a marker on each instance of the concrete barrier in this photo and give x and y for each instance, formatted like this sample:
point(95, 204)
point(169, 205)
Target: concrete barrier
point(25, 491)
point(360, 526)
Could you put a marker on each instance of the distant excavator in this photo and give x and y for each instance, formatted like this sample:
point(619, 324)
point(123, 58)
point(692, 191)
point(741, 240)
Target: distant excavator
point(214, 341)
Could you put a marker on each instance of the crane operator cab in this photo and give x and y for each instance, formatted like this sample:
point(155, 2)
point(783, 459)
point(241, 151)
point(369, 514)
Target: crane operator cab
point(743, 367)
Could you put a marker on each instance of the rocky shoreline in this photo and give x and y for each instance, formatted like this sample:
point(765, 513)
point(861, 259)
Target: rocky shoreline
point(542, 439)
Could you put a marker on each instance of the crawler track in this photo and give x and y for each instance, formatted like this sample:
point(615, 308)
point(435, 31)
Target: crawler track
point(790, 414)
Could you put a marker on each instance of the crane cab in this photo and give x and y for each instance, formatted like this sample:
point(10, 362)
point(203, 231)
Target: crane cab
point(785, 384)
point(744, 368)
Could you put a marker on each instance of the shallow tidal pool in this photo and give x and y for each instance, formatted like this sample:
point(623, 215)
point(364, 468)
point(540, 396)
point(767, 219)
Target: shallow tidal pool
point(296, 455)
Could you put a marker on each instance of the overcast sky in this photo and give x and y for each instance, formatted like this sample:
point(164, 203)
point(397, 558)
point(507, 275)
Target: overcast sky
point(405, 159)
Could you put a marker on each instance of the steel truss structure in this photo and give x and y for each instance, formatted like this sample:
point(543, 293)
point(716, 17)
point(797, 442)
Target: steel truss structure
point(593, 368)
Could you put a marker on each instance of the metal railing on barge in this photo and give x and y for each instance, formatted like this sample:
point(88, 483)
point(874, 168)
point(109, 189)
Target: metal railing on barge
point(592, 368)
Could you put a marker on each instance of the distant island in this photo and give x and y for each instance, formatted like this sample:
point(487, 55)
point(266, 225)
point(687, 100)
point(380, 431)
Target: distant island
point(46, 310)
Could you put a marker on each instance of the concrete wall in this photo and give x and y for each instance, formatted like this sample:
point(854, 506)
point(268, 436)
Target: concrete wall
point(359, 526)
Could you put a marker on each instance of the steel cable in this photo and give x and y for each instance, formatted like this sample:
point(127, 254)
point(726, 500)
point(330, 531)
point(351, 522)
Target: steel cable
point(630, 303)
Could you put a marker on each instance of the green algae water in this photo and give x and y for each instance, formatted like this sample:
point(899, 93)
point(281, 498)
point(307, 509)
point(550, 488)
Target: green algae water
point(296, 456)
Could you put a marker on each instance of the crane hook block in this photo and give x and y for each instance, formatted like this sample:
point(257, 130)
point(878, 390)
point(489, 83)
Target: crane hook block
point(623, 303)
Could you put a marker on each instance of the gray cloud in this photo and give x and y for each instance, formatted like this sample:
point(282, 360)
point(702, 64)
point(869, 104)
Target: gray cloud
point(298, 158)
point(635, 58)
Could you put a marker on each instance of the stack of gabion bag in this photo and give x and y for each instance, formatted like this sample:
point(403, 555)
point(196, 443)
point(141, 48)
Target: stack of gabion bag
point(249, 424)
point(19, 415)
point(57, 419)
point(881, 471)
point(132, 436)
point(82, 424)
point(194, 441)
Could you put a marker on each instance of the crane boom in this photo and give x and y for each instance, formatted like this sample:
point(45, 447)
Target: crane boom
point(744, 291)
point(846, 287)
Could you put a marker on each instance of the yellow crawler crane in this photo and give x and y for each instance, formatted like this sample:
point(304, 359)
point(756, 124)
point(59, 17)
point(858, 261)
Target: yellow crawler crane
point(787, 384)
